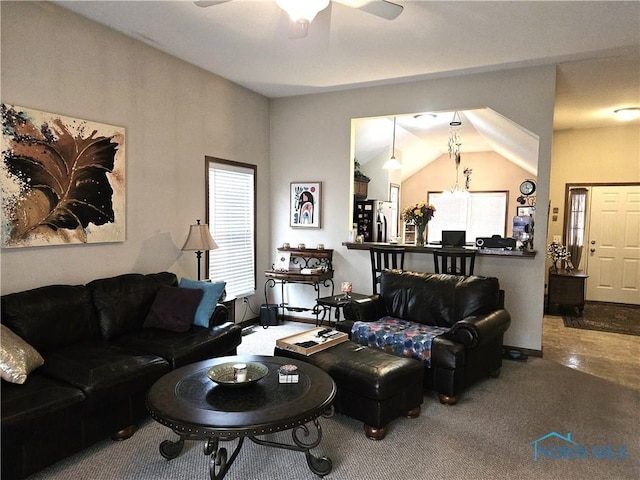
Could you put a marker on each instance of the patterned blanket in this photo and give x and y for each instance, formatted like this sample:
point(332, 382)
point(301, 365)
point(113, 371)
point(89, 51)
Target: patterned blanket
point(399, 337)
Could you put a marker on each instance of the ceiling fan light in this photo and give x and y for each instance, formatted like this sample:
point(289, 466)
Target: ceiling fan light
point(625, 114)
point(302, 10)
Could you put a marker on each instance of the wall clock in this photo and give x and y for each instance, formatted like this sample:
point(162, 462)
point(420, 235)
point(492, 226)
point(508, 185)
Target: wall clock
point(527, 187)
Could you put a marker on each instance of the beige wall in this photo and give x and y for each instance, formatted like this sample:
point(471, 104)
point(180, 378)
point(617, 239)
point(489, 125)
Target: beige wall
point(596, 155)
point(490, 171)
point(174, 115)
point(311, 140)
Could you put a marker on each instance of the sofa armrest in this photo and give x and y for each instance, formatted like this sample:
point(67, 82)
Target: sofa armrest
point(219, 316)
point(477, 330)
point(367, 309)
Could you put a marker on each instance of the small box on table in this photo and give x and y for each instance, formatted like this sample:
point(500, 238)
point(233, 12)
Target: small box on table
point(288, 374)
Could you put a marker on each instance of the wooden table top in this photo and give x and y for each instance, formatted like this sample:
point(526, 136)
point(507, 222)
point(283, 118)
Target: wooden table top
point(188, 402)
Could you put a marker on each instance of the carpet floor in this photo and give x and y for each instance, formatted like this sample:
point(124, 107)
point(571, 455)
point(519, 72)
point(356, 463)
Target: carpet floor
point(606, 317)
point(492, 433)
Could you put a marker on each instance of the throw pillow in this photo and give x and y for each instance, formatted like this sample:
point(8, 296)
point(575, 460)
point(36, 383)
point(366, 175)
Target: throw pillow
point(17, 358)
point(173, 309)
point(212, 293)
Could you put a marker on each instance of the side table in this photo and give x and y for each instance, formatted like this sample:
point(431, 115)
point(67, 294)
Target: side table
point(337, 302)
point(567, 288)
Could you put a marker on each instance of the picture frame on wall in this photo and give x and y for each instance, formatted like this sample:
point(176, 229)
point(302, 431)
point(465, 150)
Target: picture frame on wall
point(62, 178)
point(525, 211)
point(305, 210)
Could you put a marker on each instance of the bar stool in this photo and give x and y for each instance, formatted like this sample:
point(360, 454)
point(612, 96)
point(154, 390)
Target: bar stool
point(383, 258)
point(454, 260)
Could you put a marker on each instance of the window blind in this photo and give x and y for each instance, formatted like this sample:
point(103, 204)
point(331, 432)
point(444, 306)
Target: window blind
point(480, 214)
point(231, 218)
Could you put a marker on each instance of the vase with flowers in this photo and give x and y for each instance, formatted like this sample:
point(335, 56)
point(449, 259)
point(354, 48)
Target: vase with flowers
point(420, 214)
point(557, 252)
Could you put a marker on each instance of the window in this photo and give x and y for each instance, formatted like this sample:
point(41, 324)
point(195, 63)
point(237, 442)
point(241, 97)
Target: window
point(480, 214)
point(575, 227)
point(231, 203)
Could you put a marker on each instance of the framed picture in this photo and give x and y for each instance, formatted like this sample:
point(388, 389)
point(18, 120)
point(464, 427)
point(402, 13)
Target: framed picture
point(62, 178)
point(306, 204)
point(526, 211)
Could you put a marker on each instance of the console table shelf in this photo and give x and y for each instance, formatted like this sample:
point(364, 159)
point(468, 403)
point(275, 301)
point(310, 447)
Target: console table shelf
point(302, 259)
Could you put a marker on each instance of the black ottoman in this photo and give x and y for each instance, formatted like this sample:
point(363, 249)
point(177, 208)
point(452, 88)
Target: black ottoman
point(373, 386)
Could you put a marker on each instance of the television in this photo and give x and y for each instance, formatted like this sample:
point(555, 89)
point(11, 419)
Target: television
point(454, 238)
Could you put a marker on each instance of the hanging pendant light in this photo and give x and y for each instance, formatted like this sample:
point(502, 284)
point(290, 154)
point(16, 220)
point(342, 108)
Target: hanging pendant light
point(454, 146)
point(393, 163)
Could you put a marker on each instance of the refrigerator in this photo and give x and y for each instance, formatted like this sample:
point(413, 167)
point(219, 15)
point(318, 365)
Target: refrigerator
point(373, 220)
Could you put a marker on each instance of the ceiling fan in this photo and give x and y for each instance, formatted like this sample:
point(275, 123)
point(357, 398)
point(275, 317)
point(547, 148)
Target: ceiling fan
point(302, 12)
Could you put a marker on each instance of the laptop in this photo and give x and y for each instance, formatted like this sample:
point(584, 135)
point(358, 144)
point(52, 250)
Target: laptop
point(454, 238)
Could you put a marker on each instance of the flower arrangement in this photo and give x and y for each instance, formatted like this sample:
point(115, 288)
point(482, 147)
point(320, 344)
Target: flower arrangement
point(419, 213)
point(555, 252)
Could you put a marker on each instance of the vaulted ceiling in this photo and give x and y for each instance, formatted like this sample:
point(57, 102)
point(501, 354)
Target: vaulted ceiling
point(596, 46)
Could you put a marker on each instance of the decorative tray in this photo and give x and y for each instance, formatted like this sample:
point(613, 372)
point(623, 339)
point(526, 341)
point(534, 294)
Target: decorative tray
point(224, 374)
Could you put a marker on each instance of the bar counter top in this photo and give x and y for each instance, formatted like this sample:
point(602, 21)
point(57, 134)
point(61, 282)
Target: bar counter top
point(431, 248)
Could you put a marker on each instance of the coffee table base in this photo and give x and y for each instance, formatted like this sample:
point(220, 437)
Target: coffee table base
point(220, 462)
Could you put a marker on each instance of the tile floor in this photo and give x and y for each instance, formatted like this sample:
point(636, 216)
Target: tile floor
point(611, 356)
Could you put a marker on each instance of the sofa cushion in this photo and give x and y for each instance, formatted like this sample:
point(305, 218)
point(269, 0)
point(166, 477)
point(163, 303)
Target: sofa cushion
point(104, 373)
point(437, 299)
point(213, 291)
point(194, 345)
point(51, 317)
point(27, 405)
point(173, 308)
point(17, 358)
point(123, 302)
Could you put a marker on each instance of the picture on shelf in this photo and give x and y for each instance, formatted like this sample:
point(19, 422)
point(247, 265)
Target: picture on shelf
point(305, 206)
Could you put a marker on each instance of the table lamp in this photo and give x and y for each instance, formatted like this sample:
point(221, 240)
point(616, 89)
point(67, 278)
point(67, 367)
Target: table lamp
point(199, 239)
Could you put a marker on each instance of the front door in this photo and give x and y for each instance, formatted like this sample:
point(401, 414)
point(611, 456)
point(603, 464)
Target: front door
point(613, 245)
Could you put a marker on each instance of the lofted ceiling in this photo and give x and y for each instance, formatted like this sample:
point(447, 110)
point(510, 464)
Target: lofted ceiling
point(596, 46)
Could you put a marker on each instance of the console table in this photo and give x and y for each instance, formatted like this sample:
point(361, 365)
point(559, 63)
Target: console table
point(566, 288)
point(301, 259)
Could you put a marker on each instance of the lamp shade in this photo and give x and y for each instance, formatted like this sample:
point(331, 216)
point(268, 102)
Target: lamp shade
point(199, 238)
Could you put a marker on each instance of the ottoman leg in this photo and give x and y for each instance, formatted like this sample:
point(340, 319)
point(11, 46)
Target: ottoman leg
point(448, 399)
point(413, 413)
point(375, 433)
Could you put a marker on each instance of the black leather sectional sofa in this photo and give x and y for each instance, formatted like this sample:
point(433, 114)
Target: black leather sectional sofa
point(99, 362)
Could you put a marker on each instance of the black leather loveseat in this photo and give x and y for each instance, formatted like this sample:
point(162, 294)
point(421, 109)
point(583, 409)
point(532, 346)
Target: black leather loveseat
point(470, 307)
point(99, 362)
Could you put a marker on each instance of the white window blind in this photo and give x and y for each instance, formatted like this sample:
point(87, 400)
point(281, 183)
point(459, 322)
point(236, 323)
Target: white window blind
point(231, 218)
point(480, 214)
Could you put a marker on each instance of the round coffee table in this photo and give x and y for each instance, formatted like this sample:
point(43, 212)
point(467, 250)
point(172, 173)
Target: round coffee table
point(196, 408)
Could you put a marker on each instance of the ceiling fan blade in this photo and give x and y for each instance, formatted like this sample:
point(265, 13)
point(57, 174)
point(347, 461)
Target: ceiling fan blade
point(379, 8)
point(209, 3)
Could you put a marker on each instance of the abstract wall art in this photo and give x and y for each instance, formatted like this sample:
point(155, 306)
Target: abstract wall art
point(62, 179)
point(305, 204)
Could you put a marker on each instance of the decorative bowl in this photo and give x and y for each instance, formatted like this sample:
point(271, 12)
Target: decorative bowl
point(223, 374)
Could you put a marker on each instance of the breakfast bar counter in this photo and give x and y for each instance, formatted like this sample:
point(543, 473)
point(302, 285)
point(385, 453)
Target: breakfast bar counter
point(410, 248)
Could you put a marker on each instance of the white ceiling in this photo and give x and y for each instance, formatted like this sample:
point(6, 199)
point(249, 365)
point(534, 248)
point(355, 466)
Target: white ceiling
point(596, 46)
